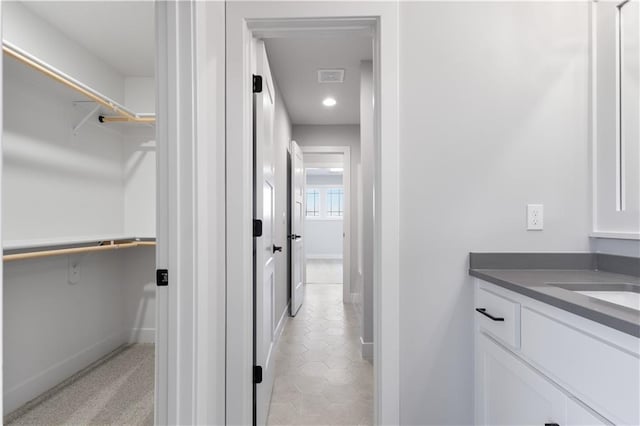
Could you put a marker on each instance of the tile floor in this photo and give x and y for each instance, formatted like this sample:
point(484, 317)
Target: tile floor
point(321, 378)
point(324, 271)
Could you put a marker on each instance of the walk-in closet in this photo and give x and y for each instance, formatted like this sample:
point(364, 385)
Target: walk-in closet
point(78, 212)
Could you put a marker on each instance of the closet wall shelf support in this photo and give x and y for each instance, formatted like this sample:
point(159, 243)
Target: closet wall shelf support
point(57, 75)
point(104, 246)
point(86, 118)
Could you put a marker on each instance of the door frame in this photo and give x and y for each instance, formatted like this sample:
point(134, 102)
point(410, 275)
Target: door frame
point(1, 263)
point(345, 151)
point(245, 20)
point(190, 134)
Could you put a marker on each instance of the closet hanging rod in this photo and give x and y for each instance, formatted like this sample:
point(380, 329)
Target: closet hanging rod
point(75, 250)
point(112, 119)
point(46, 69)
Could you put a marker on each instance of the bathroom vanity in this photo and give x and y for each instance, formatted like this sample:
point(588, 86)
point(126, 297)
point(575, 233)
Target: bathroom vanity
point(557, 339)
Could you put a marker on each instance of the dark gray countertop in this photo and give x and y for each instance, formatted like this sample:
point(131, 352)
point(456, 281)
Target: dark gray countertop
point(539, 283)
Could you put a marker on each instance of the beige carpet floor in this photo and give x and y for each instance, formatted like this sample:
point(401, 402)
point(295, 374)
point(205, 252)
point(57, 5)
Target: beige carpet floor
point(116, 392)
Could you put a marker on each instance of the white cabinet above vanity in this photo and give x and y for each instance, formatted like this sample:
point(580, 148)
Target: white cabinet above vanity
point(615, 120)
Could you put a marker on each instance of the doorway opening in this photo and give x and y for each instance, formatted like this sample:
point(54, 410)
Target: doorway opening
point(79, 213)
point(247, 24)
point(324, 220)
point(320, 350)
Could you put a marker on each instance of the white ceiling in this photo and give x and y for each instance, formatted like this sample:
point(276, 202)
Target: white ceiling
point(121, 33)
point(294, 64)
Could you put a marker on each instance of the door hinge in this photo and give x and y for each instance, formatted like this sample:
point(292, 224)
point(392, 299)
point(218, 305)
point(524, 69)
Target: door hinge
point(257, 374)
point(257, 83)
point(257, 228)
point(162, 277)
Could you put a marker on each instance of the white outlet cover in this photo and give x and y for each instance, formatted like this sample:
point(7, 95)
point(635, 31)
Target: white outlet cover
point(535, 217)
point(73, 272)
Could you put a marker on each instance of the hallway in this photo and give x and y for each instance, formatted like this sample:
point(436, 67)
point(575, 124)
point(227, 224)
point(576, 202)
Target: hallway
point(321, 379)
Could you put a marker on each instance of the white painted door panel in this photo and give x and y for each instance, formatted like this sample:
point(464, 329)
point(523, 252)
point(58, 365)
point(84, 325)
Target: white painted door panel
point(297, 228)
point(510, 393)
point(264, 262)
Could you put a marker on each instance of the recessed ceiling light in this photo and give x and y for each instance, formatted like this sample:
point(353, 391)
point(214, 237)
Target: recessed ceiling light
point(329, 102)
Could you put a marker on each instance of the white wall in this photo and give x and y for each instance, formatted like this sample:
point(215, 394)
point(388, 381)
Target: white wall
point(322, 235)
point(31, 33)
point(139, 155)
point(139, 295)
point(493, 115)
point(56, 184)
point(323, 238)
point(324, 179)
point(140, 94)
point(368, 173)
point(51, 328)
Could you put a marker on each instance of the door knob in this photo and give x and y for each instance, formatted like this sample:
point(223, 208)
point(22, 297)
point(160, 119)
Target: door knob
point(276, 248)
point(294, 237)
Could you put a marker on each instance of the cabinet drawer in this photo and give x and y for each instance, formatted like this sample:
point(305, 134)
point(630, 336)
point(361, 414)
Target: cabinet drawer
point(604, 376)
point(498, 316)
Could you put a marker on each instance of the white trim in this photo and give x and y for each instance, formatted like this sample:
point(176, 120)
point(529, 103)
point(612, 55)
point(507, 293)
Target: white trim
point(347, 217)
point(190, 212)
point(616, 235)
point(382, 17)
point(594, 114)
point(282, 323)
point(142, 335)
point(620, 178)
point(366, 349)
point(1, 221)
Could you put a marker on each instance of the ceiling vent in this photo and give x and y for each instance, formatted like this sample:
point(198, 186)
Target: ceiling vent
point(331, 76)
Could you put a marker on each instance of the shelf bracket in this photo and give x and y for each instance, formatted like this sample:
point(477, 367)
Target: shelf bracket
point(82, 122)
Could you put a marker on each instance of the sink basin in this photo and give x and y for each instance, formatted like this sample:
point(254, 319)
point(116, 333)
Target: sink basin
point(623, 294)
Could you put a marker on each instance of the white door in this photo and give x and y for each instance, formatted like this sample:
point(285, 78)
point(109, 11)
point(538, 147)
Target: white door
point(508, 392)
point(264, 247)
point(297, 228)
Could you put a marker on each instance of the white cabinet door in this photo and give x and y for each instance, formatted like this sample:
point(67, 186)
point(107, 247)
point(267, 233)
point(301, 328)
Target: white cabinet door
point(577, 415)
point(509, 392)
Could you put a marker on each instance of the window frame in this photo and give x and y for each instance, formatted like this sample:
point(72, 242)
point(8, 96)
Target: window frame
point(323, 189)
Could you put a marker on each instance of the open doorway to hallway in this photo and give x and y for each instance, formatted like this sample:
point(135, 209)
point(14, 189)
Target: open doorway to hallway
point(324, 218)
point(316, 365)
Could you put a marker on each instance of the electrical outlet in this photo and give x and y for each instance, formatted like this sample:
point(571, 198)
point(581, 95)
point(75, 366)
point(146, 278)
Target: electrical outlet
point(535, 217)
point(73, 272)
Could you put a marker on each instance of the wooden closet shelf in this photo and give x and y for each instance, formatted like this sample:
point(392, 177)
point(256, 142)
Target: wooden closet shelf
point(122, 113)
point(104, 246)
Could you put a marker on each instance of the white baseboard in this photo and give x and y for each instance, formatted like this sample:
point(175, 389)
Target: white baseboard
point(142, 335)
point(281, 323)
point(44, 380)
point(367, 349)
point(324, 256)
